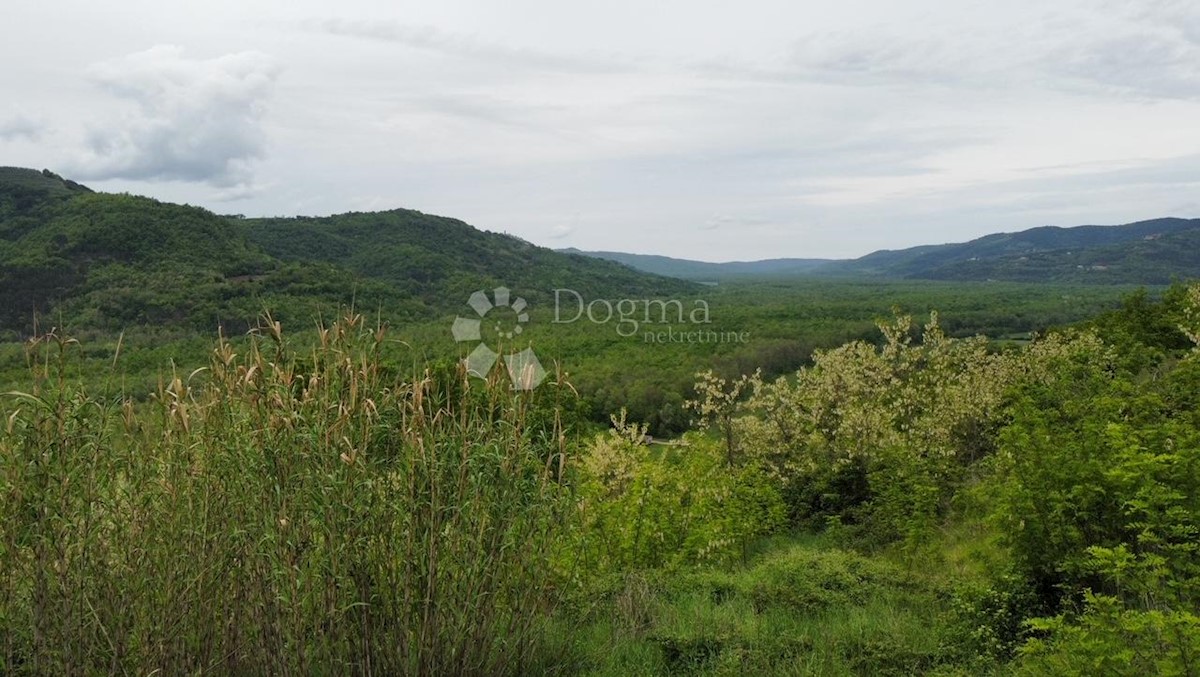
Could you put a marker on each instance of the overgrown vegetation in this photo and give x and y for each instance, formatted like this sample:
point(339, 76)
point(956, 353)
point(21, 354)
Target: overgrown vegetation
point(841, 496)
point(278, 512)
point(308, 507)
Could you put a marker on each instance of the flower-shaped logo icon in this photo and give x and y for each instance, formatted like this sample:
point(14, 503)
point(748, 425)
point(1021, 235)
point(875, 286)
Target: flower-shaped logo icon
point(524, 369)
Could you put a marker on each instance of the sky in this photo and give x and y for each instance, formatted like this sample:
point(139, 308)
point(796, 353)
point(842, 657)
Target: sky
point(697, 129)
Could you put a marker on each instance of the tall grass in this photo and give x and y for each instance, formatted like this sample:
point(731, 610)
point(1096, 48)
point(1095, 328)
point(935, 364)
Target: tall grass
point(278, 512)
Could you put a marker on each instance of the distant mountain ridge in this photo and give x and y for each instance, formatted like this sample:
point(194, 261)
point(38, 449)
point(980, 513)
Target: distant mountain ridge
point(1155, 251)
point(1043, 253)
point(705, 270)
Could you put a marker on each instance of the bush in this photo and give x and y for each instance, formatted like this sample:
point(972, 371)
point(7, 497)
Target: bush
point(1109, 639)
point(667, 505)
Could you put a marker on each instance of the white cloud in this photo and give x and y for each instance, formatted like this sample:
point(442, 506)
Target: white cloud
point(191, 120)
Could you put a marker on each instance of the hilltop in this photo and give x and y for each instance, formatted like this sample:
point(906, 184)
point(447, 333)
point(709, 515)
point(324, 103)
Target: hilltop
point(435, 258)
point(109, 261)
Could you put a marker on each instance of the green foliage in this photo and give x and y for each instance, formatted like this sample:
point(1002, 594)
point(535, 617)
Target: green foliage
point(1143, 330)
point(718, 402)
point(665, 506)
point(992, 620)
point(1109, 639)
point(1097, 485)
point(795, 610)
point(1097, 461)
point(113, 262)
point(346, 502)
point(276, 512)
point(443, 260)
point(807, 581)
point(25, 195)
point(880, 437)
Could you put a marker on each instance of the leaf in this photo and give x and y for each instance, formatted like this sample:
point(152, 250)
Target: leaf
point(27, 397)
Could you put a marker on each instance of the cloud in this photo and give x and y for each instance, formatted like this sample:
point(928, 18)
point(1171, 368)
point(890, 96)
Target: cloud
point(19, 126)
point(1147, 64)
point(242, 191)
point(466, 46)
point(192, 120)
point(1181, 16)
point(1148, 51)
point(872, 57)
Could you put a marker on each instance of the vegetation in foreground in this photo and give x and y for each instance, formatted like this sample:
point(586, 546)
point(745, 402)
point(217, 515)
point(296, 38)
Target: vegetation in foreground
point(927, 505)
point(276, 513)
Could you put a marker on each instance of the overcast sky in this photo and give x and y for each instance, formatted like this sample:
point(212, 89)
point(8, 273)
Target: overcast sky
point(698, 129)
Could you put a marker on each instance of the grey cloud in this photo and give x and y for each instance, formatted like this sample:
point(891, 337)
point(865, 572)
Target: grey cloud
point(18, 127)
point(466, 46)
point(873, 58)
point(192, 119)
point(1181, 16)
point(1148, 64)
point(1153, 52)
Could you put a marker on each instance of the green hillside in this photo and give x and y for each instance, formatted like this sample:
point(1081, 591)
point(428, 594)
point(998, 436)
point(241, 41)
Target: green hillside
point(442, 260)
point(105, 261)
point(1153, 259)
point(23, 188)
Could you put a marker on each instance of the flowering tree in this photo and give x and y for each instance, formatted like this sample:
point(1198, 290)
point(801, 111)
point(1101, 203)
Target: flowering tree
point(717, 401)
point(881, 434)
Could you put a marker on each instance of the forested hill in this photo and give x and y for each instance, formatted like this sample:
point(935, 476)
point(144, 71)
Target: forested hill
point(21, 189)
point(1145, 252)
point(1157, 251)
point(109, 261)
point(421, 253)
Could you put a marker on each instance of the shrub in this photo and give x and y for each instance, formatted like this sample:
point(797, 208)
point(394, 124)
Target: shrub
point(663, 506)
